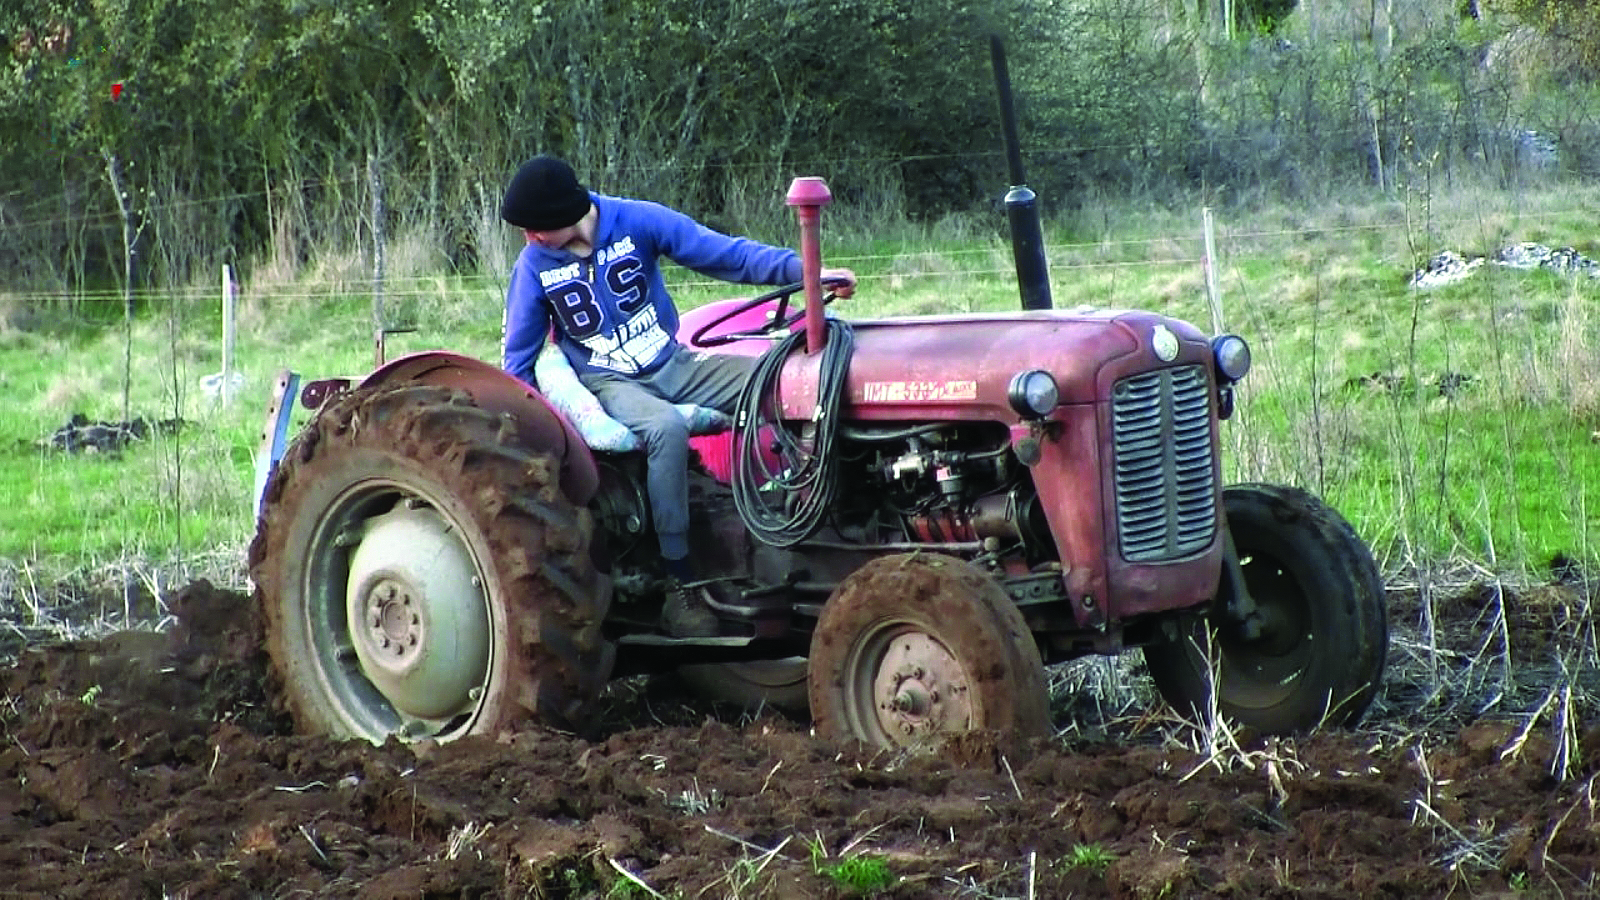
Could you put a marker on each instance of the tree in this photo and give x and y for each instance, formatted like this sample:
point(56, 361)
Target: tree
point(1573, 24)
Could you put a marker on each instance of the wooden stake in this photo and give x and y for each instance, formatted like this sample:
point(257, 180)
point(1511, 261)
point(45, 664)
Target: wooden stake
point(229, 297)
point(1209, 263)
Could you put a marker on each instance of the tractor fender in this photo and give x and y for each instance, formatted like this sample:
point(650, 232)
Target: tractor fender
point(538, 423)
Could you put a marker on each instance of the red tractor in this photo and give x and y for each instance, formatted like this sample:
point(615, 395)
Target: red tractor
point(914, 517)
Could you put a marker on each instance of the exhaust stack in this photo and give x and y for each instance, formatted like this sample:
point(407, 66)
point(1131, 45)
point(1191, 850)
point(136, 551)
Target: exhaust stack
point(808, 194)
point(1022, 206)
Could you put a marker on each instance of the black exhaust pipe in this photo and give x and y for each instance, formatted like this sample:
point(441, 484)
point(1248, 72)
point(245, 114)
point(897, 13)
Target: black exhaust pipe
point(1022, 205)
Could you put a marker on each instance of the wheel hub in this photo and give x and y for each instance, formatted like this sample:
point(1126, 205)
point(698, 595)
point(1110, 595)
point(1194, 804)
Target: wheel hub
point(394, 626)
point(1262, 669)
point(417, 614)
point(921, 688)
point(914, 699)
point(1278, 627)
point(1276, 634)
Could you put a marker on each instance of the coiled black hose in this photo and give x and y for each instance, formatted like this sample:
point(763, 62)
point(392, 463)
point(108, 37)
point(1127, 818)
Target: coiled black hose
point(786, 506)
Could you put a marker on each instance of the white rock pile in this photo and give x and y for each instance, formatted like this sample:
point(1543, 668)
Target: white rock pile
point(1449, 267)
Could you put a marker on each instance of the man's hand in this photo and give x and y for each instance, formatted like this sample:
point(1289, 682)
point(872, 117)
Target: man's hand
point(844, 282)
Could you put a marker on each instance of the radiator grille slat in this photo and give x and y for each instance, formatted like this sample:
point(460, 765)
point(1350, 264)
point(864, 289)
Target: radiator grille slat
point(1165, 476)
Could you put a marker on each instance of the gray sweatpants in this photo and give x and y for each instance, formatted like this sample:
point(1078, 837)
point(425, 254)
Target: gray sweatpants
point(644, 404)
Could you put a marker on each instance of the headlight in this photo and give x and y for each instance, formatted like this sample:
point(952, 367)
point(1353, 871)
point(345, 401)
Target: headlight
point(1033, 394)
point(1232, 355)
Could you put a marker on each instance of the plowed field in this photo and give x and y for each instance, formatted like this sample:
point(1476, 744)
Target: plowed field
point(151, 763)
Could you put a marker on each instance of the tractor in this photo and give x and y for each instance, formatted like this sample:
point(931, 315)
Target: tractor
point(906, 521)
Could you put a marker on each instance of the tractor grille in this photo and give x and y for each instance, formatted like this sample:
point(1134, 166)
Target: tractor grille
point(1166, 482)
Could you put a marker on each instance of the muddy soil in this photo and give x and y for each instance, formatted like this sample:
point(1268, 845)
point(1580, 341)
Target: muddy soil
point(151, 764)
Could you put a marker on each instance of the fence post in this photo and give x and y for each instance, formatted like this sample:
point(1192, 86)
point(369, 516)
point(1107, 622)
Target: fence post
point(375, 185)
point(1209, 263)
point(229, 299)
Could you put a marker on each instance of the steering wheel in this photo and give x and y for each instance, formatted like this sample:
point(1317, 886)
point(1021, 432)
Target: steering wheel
point(780, 319)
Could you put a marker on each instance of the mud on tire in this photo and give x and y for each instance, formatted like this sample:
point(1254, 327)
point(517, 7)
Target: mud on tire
point(381, 481)
point(913, 649)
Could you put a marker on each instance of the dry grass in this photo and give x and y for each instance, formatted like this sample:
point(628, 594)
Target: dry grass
point(39, 607)
point(1577, 358)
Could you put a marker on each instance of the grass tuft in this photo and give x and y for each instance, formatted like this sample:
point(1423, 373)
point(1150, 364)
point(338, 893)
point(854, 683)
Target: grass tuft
point(1093, 857)
point(866, 875)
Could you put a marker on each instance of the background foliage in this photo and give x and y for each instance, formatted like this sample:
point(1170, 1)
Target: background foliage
point(243, 130)
point(1341, 144)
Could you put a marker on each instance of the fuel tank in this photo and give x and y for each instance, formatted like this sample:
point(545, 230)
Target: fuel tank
point(958, 367)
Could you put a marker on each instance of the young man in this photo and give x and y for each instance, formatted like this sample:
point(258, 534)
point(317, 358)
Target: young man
point(591, 270)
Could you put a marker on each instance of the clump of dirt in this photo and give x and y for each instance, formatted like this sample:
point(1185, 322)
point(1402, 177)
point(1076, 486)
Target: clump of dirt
point(152, 764)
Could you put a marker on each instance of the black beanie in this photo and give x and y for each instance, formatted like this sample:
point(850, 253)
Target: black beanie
point(544, 195)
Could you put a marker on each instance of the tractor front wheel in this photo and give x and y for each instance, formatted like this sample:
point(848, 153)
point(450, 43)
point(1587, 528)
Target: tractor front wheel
point(421, 575)
point(913, 649)
point(1314, 654)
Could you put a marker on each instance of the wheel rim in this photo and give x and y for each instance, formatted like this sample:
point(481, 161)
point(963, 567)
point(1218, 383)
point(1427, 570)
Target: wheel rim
point(1263, 671)
point(903, 684)
point(398, 624)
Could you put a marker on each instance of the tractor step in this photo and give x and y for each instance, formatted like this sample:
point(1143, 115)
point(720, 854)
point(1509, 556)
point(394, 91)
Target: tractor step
point(662, 640)
point(659, 653)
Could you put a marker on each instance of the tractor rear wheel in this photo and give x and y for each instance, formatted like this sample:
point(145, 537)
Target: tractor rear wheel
point(421, 575)
point(913, 649)
point(1323, 630)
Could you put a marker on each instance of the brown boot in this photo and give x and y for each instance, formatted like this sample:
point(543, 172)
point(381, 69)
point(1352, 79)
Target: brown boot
point(686, 612)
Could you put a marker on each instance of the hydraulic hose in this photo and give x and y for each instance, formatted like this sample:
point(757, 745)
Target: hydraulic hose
point(784, 507)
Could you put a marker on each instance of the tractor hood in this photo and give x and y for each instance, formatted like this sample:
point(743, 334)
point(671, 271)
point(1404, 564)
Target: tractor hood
point(959, 367)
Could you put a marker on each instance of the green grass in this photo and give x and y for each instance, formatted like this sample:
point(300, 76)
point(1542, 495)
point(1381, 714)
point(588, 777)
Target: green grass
point(1500, 474)
point(1093, 857)
point(862, 875)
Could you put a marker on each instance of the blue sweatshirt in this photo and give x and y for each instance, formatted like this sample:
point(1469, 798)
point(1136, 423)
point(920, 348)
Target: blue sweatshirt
point(611, 311)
